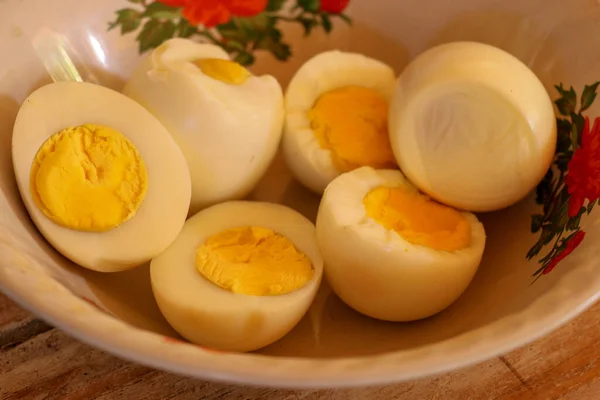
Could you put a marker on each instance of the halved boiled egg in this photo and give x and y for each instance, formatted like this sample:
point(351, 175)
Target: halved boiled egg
point(472, 126)
point(337, 117)
point(102, 179)
point(240, 275)
point(391, 252)
point(227, 121)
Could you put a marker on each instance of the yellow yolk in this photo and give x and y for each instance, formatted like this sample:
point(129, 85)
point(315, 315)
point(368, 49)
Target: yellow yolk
point(223, 70)
point(352, 124)
point(253, 261)
point(418, 219)
point(88, 178)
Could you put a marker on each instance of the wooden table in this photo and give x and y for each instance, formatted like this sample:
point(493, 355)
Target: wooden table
point(39, 362)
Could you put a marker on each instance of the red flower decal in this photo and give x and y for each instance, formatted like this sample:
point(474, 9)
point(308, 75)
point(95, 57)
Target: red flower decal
point(334, 6)
point(583, 178)
point(572, 244)
point(241, 27)
point(571, 182)
point(214, 12)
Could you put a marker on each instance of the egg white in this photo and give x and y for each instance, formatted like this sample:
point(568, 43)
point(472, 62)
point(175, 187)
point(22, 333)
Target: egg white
point(208, 315)
point(309, 163)
point(472, 126)
point(163, 211)
point(373, 269)
point(229, 134)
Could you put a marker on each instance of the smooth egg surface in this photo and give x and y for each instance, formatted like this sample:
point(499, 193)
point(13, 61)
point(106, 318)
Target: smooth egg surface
point(391, 252)
point(240, 275)
point(102, 179)
point(472, 126)
point(337, 117)
point(227, 121)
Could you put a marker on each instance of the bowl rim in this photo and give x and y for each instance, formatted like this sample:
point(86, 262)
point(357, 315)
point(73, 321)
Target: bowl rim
point(36, 291)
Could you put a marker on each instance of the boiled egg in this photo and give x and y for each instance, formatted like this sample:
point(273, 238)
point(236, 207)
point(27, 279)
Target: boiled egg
point(472, 126)
point(102, 179)
point(337, 117)
point(392, 253)
point(240, 275)
point(227, 121)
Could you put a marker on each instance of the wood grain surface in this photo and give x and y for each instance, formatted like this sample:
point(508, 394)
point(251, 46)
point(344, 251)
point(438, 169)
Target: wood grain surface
point(39, 362)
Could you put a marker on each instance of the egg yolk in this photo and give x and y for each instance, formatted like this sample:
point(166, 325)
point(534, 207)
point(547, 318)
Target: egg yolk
point(88, 178)
point(225, 71)
point(418, 219)
point(352, 123)
point(253, 261)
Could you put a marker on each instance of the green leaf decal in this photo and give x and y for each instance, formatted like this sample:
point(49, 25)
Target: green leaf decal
point(244, 58)
point(577, 129)
point(536, 223)
point(154, 33)
point(185, 30)
point(588, 96)
point(275, 5)
point(557, 227)
point(310, 5)
point(161, 11)
point(591, 206)
point(326, 23)
point(243, 32)
point(128, 19)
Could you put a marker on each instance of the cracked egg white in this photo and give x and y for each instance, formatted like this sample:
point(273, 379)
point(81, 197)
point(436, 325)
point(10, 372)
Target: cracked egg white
point(392, 253)
point(337, 108)
point(227, 121)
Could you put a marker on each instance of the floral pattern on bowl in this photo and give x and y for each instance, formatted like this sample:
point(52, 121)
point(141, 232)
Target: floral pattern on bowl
point(571, 188)
point(332, 346)
point(240, 27)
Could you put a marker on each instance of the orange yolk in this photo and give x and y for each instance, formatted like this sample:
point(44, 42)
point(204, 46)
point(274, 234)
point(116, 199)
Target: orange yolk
point(418, 219)
point(352, 123)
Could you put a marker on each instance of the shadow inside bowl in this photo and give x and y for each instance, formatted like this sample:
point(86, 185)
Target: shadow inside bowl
point(500, 288)
point(330, 329)
point(128, 296)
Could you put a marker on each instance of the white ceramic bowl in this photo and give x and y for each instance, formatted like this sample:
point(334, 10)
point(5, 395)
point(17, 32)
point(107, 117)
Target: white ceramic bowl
point(332, 346)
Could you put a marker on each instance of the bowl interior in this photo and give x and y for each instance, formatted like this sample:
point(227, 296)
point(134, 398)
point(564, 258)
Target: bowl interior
point(557, 41)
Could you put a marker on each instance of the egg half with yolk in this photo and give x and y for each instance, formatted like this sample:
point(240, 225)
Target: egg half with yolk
point(472, 126)
point(227, 121)
point(337, 117)
point(102, 179)
point(392, 253)
point(240, 275)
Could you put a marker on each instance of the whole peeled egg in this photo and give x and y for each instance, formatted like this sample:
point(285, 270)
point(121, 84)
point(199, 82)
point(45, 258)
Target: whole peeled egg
point(337, 117)
point(227, 121)
point(472, 126)
point(240, 275)
point(101, 178)
point(391, 252)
